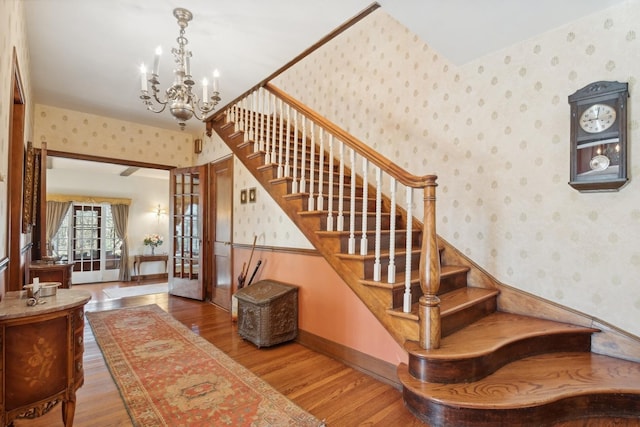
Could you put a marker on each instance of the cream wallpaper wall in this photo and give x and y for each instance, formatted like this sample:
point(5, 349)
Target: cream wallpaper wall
point(496, 132)
point(83, 133)
point(12, 35)
point(264, 218)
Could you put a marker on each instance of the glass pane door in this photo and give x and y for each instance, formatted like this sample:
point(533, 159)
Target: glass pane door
point(186, 270)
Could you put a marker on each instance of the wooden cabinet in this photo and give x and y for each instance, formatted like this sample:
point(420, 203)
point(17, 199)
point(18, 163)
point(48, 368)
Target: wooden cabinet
point(42, 348)
point(49, 272)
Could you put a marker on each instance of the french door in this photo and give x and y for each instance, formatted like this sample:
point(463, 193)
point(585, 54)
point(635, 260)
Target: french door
point(87, 238)
point(188, 201)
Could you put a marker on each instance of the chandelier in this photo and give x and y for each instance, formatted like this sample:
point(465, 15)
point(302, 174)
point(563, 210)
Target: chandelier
point(182, 101)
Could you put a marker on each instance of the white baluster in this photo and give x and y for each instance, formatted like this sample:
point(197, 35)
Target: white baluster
point(274, 129)
point(303, 168)
point(406, 306)
point(249, 118)
point(391, 274)
point(330, 195)
point(236, 117)
point(320, 202)
point(312, 163)
point(294, 184)
point(352, 213)
point(340, 218)
point(268, 127)
point(281, 141)
point(263, 113)
point(245, 120)
point(253, 132)
point(365, 190)
point(377, 266)
point(287, 139)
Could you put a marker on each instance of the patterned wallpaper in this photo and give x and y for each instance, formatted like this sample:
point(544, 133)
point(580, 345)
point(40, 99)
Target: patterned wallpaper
point(496, 132)
point(264, 218)
point(12, 34)
point(82, 133)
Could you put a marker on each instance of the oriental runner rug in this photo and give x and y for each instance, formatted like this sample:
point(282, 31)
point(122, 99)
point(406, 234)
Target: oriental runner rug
point(169, 376)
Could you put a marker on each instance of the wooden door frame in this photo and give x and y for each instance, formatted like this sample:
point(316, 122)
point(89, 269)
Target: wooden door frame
point(15, 187)
point(211, 238)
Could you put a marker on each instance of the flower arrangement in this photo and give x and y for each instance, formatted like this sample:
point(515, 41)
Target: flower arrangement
point(154, 240)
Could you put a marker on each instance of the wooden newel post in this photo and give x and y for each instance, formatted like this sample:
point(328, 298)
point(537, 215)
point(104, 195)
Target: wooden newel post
point(429, 311)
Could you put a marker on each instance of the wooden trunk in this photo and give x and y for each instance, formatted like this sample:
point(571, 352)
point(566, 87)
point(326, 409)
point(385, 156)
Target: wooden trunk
point(268, 313)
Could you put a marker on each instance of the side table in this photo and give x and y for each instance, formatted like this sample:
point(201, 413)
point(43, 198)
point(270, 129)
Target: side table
point(139, 259)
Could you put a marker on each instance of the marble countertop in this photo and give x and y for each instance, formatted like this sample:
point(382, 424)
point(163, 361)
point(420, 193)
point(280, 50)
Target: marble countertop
point(14, 304)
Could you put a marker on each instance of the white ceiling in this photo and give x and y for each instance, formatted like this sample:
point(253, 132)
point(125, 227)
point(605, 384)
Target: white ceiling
point(85, 54)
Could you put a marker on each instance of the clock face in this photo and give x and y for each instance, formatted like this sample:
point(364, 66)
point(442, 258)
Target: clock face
point(597, 118)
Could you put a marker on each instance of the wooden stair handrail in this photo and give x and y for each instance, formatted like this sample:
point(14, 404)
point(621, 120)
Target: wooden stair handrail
point(360, 147)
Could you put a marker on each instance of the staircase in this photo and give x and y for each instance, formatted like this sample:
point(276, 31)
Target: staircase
point(473, 360)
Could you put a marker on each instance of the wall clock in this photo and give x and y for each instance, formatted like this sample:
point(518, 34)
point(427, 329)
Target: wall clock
point(599, 137)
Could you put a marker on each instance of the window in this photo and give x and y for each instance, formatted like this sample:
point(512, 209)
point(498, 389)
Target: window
point(87, 237)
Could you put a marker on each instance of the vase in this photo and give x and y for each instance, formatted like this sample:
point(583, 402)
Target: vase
point(153, 250)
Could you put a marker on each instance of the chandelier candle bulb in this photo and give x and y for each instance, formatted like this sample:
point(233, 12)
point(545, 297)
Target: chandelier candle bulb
point(143, 78)
point(156, 61)
point(205, 91)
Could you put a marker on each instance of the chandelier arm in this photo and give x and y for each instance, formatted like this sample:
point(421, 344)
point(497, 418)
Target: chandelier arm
point(159, 101)
point(150, 108)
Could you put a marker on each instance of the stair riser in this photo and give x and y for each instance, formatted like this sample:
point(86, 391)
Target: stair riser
point(400, 263)
point(447, 284)
point(611, 409)
point(468, 370)
point(272, 173)
point(400, 241)
point(371, 204)
point(371, 223)
point(325, 190)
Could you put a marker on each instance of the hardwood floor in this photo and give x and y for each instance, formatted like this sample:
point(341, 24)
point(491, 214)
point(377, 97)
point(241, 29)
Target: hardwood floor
point(326, 388)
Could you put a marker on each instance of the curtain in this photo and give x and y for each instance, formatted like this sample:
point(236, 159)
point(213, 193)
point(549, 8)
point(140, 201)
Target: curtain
point(121, 224)
point(56, 212)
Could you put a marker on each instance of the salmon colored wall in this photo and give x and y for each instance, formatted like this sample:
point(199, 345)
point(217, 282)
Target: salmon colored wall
point(348, 322)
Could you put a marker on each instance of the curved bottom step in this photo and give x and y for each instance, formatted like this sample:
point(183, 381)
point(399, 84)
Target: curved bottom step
point(539, 390)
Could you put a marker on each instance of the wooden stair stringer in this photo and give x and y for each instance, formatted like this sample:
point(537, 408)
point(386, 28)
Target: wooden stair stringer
point(609, 341)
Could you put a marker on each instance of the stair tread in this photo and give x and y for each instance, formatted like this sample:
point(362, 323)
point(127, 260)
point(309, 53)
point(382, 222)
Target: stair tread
point(534, 381)
point(491, 333)
point(459, 299)
point(445, 270)
point(372, 256)
point(345, 214)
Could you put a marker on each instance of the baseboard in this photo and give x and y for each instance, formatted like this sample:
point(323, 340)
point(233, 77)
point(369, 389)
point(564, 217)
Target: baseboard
point(379, 369)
